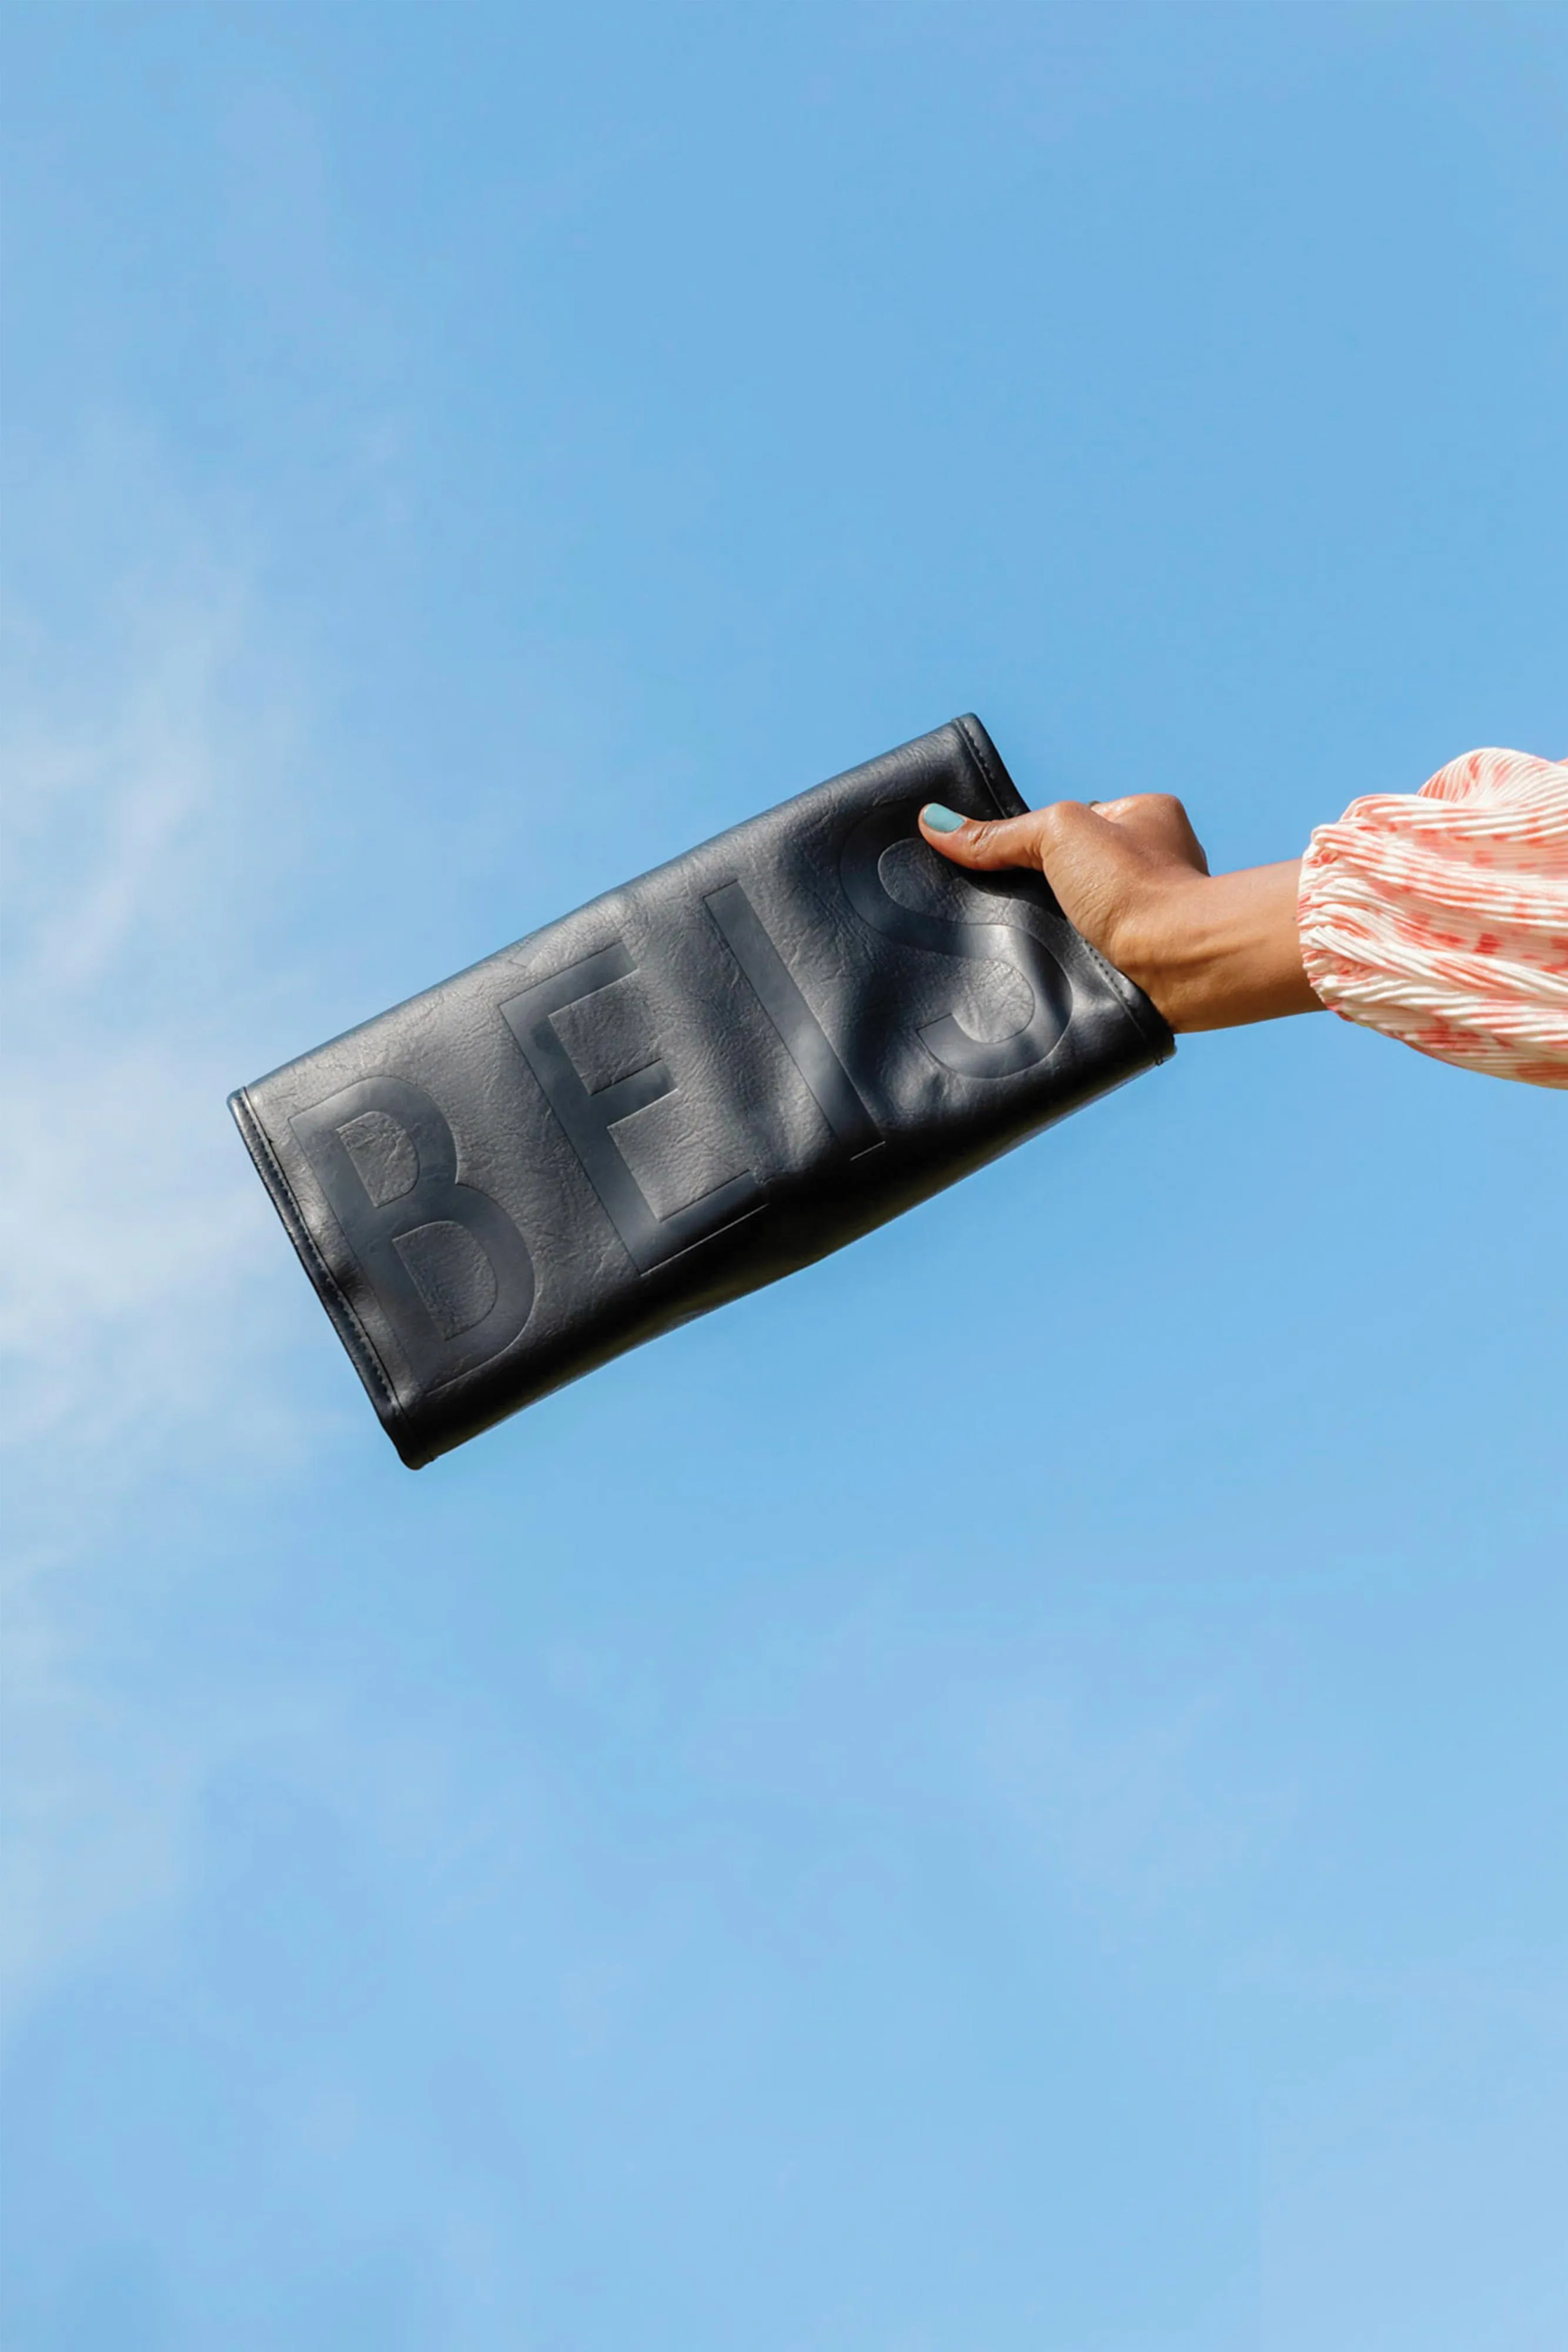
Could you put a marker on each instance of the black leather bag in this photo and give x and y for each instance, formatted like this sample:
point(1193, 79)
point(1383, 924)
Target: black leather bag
point(693, 1085)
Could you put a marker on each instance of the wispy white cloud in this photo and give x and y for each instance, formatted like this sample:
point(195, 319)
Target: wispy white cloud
point(145, 1306)
point(135, 765)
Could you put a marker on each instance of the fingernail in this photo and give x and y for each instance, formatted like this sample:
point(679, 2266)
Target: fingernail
point(939, 819)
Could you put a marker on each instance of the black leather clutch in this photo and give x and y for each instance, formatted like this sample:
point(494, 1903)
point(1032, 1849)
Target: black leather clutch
point(693, 1085)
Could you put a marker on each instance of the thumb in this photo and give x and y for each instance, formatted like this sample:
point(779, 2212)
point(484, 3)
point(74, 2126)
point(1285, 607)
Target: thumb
point(972, 842)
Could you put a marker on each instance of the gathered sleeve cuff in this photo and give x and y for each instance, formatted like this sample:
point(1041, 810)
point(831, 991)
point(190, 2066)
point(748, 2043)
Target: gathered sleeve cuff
point(1441, 916)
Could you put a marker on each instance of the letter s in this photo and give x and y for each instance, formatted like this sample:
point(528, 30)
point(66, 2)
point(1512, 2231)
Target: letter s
point(978, 939)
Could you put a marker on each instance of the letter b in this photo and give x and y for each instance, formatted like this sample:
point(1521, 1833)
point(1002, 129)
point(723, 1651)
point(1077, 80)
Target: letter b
point(450, 1269)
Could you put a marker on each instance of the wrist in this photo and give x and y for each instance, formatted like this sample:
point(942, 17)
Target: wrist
point(1223, 950)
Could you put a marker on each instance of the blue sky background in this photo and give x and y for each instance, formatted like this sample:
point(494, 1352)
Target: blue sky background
point(1009, 1792)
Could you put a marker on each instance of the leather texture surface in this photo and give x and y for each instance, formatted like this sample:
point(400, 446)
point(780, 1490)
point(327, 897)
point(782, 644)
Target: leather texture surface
point(693, 1085)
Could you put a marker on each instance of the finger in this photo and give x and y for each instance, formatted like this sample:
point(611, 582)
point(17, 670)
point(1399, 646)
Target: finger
point(971, 841)
point(1157, 822)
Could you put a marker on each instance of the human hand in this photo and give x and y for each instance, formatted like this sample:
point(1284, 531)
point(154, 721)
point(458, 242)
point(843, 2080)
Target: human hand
point(1210, 951)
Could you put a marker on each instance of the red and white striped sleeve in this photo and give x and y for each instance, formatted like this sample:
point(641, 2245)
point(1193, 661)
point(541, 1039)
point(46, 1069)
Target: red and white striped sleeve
point(1441, 916)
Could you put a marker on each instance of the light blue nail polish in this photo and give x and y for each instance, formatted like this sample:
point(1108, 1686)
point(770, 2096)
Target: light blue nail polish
point(938, 819)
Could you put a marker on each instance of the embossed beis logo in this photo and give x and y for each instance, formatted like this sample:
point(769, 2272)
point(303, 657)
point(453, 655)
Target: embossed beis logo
point(450, 1268)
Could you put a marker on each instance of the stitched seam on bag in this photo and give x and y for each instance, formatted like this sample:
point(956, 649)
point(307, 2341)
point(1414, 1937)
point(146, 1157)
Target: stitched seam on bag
point(360, 1346)
point(1161, 1037)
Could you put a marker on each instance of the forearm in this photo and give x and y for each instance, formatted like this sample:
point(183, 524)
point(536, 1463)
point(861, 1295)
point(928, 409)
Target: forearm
point(1223, 950)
